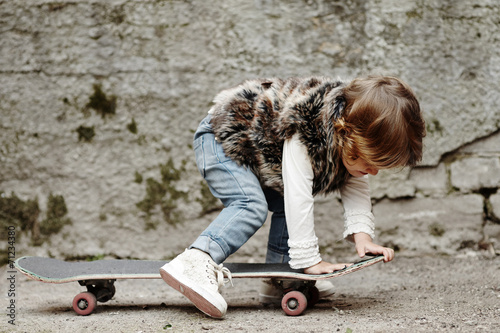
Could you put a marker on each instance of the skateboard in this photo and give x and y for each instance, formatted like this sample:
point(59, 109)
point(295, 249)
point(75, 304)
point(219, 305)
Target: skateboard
point(99, 276)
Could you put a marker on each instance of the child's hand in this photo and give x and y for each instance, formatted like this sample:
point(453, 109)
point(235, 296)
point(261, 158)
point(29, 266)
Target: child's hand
point(365, 245)
point(324, 267)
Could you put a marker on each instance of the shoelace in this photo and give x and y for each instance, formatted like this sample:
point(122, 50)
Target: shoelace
point(222, 274)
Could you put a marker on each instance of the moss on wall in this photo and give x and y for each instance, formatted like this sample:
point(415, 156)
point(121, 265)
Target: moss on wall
point(433, 126)
point(56, 217)
point(23, 216)
point(164, 195)
point(138, 178)
point(436, 230)
point(102, 104)
point(132, 127)
point(85, 134)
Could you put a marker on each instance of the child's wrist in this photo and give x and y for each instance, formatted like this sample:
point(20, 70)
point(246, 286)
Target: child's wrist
point(361, 237)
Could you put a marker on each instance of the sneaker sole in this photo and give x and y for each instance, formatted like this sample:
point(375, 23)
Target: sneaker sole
point(199, 301)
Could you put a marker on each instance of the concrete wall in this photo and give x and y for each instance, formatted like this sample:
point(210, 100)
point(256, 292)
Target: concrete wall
point(96, 97)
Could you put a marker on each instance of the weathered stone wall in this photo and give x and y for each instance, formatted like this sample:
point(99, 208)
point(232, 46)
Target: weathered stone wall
point(96, 97)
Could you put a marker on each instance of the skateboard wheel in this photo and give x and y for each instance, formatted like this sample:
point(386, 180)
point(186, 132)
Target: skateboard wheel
point(84, 303)
point(294, 303)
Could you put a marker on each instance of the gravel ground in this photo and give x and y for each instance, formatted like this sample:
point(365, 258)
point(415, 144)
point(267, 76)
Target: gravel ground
point(424, 294)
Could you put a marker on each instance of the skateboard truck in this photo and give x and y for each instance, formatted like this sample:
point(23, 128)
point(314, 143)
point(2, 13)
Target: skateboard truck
point(97, 291)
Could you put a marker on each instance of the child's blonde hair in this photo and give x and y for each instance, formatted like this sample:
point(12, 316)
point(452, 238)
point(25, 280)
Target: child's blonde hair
point(382, 123)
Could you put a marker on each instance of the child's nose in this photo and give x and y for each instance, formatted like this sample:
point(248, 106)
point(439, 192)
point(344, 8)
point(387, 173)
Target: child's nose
point(372, 171)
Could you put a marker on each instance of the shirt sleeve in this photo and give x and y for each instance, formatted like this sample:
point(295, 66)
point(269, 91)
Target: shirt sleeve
point(358, 216)
point(299, 205)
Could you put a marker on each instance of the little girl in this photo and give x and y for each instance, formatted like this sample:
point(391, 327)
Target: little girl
point(272, 145)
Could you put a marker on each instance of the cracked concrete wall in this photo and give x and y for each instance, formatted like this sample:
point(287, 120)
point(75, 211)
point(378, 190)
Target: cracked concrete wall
point(455, 203)
point(161, 62)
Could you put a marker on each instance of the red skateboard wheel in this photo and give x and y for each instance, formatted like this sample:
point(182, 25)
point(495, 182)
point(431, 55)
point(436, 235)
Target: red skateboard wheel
point(294, 303)
point(84, 303)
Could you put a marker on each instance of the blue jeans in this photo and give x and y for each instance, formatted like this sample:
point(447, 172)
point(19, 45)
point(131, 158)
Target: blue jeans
point(246, 203)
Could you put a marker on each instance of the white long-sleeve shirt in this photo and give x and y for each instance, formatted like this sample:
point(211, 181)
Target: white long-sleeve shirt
point(299, 205)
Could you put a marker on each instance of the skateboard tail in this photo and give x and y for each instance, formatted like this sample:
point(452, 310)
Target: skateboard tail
point(18, 264)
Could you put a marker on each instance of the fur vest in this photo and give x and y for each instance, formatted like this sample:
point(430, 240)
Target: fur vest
point(253, 119)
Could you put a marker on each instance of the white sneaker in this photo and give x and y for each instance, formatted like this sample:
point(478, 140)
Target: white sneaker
point(271, 293)
point(198, 277)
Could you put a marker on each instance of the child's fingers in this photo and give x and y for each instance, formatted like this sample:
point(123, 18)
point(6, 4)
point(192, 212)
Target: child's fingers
point(373, 249)
point(388, 254)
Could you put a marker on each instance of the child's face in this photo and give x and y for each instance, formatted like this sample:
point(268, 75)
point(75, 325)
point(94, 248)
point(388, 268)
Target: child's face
point(358, 167)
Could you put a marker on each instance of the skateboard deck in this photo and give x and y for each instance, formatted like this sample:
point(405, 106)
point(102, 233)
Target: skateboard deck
point(99, 276)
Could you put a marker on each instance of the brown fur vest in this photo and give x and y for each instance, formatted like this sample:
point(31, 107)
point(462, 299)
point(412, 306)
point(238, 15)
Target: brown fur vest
point(253, 120)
